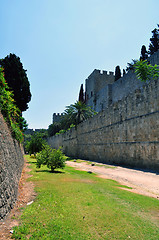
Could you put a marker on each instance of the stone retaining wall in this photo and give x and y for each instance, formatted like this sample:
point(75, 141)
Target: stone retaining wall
point(11, 163)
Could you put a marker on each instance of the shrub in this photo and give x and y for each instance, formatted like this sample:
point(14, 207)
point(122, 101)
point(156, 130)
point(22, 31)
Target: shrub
point(52, 158)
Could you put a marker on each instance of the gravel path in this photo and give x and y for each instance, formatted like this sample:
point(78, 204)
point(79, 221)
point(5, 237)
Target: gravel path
point(142, 182)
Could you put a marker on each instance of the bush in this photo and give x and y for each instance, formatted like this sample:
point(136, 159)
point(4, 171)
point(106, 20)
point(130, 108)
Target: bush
point(52, 158)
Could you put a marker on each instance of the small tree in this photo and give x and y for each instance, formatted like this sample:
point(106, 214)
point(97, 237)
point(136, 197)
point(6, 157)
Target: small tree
point(52, 158)
point(124, 72)
point(81, 95)
point(117, 73)
point(144, 54)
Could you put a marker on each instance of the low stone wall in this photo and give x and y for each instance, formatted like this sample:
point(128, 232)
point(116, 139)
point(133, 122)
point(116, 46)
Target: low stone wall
point(11, 163)
point(126, 133)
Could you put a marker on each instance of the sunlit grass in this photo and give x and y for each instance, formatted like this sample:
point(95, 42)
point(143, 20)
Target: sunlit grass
point(77, 205)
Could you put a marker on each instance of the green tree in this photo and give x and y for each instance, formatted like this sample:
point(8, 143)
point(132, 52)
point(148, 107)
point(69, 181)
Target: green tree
point(76, 113)
point(117, 73)
point(52, 158)
point(144, 54)
point(146, 71)
point(154, 41)
point(81, 95)
point(43, 132)
point(36, 144)
point(17, 80)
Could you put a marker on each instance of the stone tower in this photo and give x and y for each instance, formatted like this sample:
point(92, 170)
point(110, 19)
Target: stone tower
point(96, 82)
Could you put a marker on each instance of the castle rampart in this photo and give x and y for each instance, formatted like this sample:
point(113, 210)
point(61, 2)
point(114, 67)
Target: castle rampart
point(57, 117)
point(94, 83)
point(101, 91)
point(126, 129)
point(125, 133)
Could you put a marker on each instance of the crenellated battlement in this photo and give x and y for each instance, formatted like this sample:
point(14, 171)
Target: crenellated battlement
point(100, 73)
point(96, 81)
point(102, 89)
point(57, 117)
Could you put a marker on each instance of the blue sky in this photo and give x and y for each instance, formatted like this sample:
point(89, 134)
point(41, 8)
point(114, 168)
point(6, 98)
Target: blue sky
point(61, 42)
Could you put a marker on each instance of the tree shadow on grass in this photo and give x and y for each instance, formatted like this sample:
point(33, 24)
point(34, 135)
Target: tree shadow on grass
point(49, 171)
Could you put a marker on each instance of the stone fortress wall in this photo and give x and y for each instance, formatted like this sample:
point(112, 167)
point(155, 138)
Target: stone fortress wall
point(102, 89)
point(11, 163)
point(96, 84)
point(125, 132)
point(57, 117)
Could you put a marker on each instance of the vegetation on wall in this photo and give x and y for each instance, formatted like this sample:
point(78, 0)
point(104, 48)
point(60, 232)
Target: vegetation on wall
point(10, 111)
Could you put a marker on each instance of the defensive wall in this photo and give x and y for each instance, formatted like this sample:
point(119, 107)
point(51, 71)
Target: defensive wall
point(11, 163)
point(94, 85)
point(102, 89)
point(125, 133)
point(57, 117)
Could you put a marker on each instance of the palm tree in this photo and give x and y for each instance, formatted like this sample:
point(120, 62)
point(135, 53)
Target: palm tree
point(77, 113)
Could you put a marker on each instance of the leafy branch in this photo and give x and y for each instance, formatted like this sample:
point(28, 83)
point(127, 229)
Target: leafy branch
point(146, 71)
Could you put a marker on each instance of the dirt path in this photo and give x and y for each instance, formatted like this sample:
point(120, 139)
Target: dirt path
point(25, 195)
point(145, 183)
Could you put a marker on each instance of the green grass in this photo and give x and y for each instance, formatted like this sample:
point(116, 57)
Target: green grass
point(77, 205)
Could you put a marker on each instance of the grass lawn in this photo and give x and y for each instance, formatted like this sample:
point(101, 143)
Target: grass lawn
point(78, 205)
